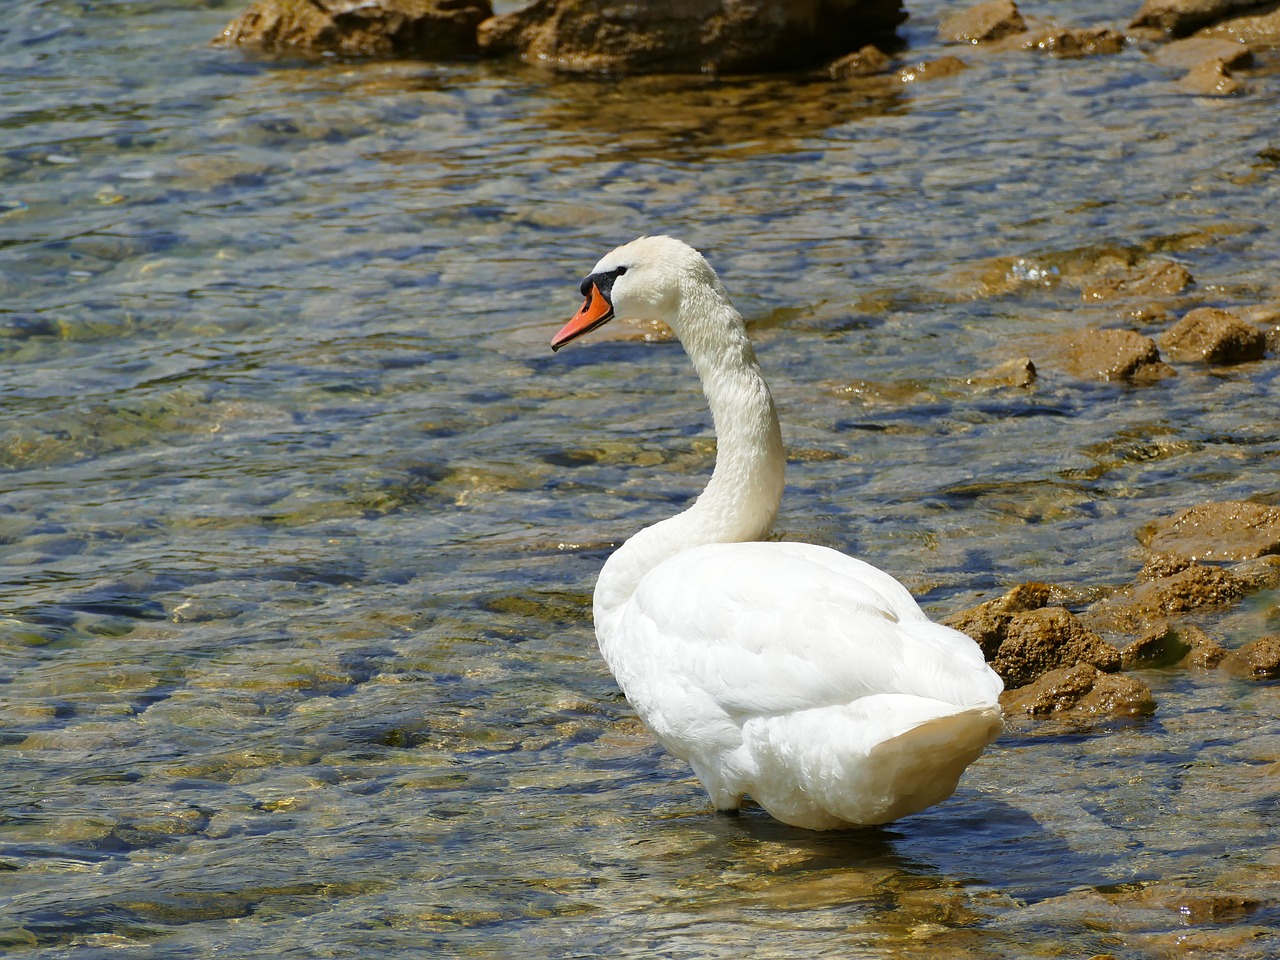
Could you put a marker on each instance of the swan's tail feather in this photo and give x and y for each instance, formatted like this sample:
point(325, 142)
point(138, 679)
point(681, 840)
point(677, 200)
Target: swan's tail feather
point(871, 761)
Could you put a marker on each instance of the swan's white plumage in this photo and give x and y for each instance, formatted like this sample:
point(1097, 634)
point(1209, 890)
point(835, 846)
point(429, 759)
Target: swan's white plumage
point(789, 672)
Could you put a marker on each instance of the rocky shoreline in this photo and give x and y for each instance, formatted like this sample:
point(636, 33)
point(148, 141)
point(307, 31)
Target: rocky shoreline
point(1210, 40)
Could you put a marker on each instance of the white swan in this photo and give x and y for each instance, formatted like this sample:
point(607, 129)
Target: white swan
point(789, 672)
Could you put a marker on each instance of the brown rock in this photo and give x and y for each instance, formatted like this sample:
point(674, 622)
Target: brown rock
point(1215, 336)
point(1228, 530)
point(1114, 355)
point(698, 36)
point(1259, 659)
point(987, 622)
point(987, 21)
point(1157, 278)
point(1037, 641)
point(1210, 79)
point(1079, 42)
point(1151, 605)
point(866, 62)
point(1082, 690)
point(1180, 17)
point(430, 29)
point(931, 69)
point(1192, 51)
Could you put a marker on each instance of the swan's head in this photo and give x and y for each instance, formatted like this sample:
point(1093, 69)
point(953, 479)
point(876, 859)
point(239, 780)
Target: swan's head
point(646, 279)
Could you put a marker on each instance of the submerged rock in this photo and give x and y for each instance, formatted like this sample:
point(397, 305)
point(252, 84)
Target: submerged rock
point(982, 23)
point(1215, 336)
point(1081, 691)
point(430, 29)
point(679, 36)
point(1227, 530)
point(1155, 278)
point(1114, 355)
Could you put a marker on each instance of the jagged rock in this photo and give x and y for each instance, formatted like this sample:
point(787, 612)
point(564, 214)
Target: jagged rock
point(1227, 530)
point(722, 36)
point(1081, 691)
point(1259, 659)
point(1114, 355)
point(1180, 17)
point(1079, 42)
point(866, 62)
point(1158, 647)
point(430, 29)
point(1215, 336)
point(987, 21)
point(1037, 641)
point(987, 622)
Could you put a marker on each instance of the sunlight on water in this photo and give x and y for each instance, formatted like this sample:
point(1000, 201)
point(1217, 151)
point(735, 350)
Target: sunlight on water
point(301, 518)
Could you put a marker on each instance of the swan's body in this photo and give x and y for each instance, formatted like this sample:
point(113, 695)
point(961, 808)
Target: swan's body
point(789, 672)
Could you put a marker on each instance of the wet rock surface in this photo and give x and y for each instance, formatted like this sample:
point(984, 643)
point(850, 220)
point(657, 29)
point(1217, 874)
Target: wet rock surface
point(1214, 336)
point(594, 36)
point(1038, 641)
point(1081, 691)
point(1218, 531)
point(1147, 604)
point(983, 23)
point(428, 29)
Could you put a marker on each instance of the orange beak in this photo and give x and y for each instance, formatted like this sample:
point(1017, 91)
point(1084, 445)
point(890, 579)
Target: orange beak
point(595, 312)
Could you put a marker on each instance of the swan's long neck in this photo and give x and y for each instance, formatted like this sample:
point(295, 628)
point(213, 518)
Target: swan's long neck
point(741, 499)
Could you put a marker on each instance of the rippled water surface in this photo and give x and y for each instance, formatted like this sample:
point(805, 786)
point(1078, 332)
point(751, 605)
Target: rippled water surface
point(300, 518)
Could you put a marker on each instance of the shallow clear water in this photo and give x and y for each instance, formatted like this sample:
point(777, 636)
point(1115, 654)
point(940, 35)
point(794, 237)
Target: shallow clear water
point(299, 517)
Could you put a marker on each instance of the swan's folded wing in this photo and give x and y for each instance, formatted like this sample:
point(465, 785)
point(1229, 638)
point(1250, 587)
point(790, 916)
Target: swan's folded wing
point(768, 628)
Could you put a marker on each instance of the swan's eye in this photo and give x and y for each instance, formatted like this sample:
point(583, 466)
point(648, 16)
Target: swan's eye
point(620, 271)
